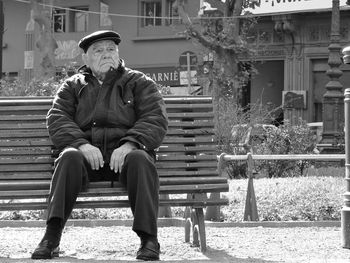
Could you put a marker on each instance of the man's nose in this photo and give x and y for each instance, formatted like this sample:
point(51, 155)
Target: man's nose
point(106, 54)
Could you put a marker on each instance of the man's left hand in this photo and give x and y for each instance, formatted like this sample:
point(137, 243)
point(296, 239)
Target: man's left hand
point(119, 154)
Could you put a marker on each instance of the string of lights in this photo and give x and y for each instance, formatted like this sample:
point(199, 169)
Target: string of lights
point(179, 18)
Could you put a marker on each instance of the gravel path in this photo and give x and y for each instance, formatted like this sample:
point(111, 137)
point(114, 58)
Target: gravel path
point(225, 244)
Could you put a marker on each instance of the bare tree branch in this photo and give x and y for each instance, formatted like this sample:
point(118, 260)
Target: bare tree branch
point(192, 31)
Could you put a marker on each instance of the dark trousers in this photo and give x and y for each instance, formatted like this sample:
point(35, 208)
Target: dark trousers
point(139, 175)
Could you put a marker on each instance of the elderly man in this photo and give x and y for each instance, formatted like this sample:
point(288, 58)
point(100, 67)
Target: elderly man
point(106, 120)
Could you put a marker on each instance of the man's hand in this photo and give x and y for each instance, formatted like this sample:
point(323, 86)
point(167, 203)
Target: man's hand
point(93, 155)
point(119, 154)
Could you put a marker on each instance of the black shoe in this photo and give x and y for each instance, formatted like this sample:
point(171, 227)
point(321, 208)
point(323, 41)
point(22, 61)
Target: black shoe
point(149, 251)
point(46, 250)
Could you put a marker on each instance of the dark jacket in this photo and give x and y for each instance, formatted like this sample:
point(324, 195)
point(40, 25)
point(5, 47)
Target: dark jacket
point(126, 107)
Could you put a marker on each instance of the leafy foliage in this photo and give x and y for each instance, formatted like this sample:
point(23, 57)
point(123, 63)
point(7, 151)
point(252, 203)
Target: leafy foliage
point(254, 129)
point(36, 87)
point(286, 139)
point(43, 87)
point(223, 32)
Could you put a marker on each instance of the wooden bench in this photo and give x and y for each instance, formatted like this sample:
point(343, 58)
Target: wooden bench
point(187, 161)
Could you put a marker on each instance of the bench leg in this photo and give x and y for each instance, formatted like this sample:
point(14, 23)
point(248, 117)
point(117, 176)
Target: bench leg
point(188, 226)
point(195, 235)
point(198, 229)
point(164, 211)
point(201, 227)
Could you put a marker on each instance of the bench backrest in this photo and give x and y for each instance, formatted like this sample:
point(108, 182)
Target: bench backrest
point(186, 161)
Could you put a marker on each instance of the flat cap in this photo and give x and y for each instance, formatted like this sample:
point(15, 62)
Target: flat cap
point(88, 40)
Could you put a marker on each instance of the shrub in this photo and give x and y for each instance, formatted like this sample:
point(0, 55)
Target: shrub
point(233, 124)
point(286, 139)
point(255, 129)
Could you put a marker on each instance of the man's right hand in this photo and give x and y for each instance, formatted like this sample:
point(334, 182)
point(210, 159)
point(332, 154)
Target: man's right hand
point(93, 155)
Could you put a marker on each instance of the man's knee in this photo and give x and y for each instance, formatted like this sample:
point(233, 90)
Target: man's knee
point(138, 157)
point(139, 162)
point(71, 155)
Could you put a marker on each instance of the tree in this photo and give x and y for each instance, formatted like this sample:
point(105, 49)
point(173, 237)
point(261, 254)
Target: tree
point(225, 37)
point(46, 43)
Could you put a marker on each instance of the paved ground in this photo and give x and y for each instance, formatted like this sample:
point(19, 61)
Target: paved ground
point(254, 243)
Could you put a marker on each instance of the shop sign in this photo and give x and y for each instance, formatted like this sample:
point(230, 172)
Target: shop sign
point(166, 76)
point(277, 6)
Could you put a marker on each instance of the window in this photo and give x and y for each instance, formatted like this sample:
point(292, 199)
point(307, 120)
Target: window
point(174, 17)
point(79, 21)
point(73, 19)
point(59, 20)
point(153, 10)
point(150, 12)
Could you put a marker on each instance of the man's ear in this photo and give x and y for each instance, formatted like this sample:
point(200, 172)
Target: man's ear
point(84, 58)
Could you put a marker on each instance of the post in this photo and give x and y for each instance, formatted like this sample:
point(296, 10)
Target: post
point(250, 209)
point(189, 77)
point(345, 212)
point(332, 112)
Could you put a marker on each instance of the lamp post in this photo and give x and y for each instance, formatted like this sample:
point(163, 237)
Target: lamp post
point(333, 99)
point(345, 211)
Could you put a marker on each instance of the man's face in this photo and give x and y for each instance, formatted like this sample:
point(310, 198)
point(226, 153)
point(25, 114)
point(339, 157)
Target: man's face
point(101, 56)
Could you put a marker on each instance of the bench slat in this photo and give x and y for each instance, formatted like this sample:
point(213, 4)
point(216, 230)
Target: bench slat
point(113, 204)
point(33, 151)
point(23, 126)
point(27, 167)
point(196, 115)
point(48, 159)
point(18, 161)
point(45, 184)
point(117, 191)
point(45, 165)
point(197, 148)
point(162, 158)
point(194, 132)
point(35, 109)
point(26, 142)
point(190, 124)
point(42, 125)
point(23, 118)
point(27, 175)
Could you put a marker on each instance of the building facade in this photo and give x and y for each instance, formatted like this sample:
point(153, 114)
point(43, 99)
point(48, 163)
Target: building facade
point(293, 52)
point(154, 45)
point(292, 44)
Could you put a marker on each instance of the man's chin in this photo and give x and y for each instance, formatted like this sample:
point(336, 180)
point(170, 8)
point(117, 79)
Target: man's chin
point(106, 68)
